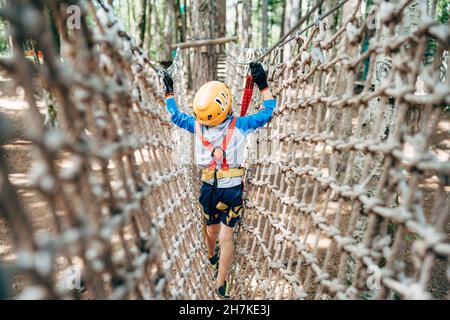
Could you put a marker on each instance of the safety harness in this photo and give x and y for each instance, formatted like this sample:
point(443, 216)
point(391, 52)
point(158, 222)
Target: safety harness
point(217, 154)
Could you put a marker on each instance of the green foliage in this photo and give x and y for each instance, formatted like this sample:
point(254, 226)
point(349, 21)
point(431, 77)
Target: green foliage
point(442, 11)
point(3, 38)
point(391, 229)
point(411, 237)
point(365, 296)
point(275, 15)
point(442, 15)
point(275, 11)
point(396, 296)
point(382, 262)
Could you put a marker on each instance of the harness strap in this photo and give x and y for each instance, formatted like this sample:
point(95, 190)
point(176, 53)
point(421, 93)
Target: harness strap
point(208, 174)
point(217, 153)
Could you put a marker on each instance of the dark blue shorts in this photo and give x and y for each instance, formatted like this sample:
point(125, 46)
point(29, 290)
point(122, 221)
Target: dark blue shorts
point(225, 206)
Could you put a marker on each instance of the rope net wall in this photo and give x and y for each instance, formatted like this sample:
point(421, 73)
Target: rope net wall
point(348, 193)
point(123, 211)
point(352, 166)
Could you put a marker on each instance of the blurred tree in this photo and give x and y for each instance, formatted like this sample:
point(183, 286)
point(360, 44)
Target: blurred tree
point(169, 31)
point(265, 23)
point(149, 38)
point(246, 23)
point(276, 14)
point(221, 21)
point(157, 31)
point(3, 38)
point(293, 11)
point(204, 27)
point(142, 20)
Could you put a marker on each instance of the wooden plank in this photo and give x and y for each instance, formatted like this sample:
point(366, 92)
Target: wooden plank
point(201, 43)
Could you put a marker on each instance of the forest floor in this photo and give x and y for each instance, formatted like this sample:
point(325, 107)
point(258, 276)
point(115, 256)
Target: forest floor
point(19, 157)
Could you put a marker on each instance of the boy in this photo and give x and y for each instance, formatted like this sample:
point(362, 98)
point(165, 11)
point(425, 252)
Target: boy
point(219, 150)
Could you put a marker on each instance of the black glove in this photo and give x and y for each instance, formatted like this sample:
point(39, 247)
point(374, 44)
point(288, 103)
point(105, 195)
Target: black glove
point(259, 75)
point(168, 82)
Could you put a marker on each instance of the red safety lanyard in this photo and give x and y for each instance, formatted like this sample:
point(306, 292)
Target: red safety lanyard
point(246, 99)
point(247, 96)
point(217, 153)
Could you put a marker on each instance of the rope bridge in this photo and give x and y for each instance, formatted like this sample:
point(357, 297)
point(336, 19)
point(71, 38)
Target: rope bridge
point(347, 187)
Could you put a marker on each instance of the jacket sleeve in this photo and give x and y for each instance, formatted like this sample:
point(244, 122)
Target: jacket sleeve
point(249, 123)
point(179, 118)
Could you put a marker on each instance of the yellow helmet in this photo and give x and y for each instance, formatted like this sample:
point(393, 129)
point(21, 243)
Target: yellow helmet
point(212, 103)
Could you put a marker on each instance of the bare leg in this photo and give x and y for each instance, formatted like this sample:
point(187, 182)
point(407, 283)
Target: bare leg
point(226, 253)
point(211, 236)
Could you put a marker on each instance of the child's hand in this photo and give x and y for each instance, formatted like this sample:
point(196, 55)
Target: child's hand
point(168, 82)
point(259, 75)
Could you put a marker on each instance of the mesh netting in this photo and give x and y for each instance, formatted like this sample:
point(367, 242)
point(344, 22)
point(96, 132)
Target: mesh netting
point(347, 186)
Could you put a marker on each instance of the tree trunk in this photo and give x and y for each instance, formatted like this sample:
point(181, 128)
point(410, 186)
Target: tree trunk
point(177, 21)
point(283, 18)
point(157, 32)
point(183, 21)
point(132, 18)
point(292, 17)
point(257, 26)
point(187, 56)
point(129, 17)
point(331, 19)
point(54, 29)
point(142, 21)
point(287, 10)
point(265, 24)
point(205, 58)
point(149, 39)
point(308, 7)
point(221, 21)
point(169, 30)
point(236, 21)
point(300, 8)
point(246, 23)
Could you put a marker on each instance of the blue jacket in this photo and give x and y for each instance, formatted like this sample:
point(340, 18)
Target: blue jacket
point(246, 124)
